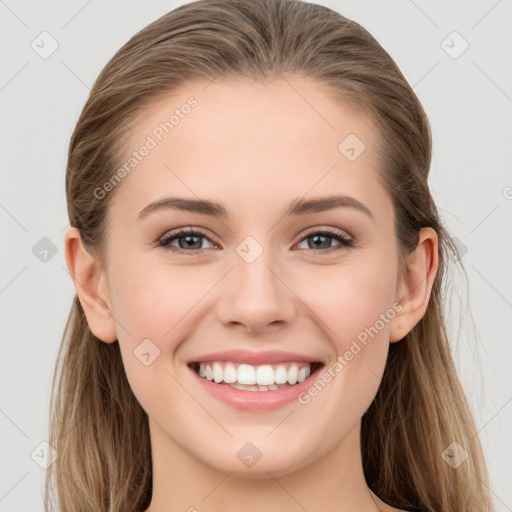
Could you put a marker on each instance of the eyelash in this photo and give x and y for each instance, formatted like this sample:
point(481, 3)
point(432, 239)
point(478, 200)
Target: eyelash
point(345, 243)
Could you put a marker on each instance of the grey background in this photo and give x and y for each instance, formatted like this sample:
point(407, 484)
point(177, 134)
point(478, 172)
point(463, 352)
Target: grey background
point(469, 103)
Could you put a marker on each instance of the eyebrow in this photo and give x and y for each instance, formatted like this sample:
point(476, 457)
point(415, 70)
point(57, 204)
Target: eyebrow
point(298, 206)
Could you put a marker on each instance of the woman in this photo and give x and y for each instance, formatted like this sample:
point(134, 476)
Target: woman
point(259, 265)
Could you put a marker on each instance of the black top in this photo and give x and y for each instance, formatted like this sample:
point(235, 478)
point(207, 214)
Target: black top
point(409, 509)
point(401, 507)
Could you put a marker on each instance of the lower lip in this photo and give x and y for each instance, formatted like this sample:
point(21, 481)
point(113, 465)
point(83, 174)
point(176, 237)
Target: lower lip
point(255, 400)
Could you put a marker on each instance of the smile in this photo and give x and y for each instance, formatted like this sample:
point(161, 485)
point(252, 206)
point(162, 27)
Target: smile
point(254, 381)
point(247, 377)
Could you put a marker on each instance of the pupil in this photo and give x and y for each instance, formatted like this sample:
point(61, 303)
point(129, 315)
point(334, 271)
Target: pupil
point(316, 237)
point(190, 241)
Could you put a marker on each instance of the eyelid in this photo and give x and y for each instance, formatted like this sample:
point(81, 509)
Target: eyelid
point(193, 230)
point(348, 239)
point(345, 239)
point(182, 231)
point(335, 231)
point(186, 229)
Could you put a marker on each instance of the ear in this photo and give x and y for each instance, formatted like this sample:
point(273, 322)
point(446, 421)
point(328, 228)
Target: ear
point(415, 284)
point(90, 284)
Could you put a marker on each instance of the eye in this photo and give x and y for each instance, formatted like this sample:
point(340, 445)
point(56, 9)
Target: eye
point(187, 239)
point(320, 240)
point(190, 241)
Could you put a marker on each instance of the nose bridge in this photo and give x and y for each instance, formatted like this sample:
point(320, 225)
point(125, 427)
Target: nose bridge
point(256, 283)
point(257, 296)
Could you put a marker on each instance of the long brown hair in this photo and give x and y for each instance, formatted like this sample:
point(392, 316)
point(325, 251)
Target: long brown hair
point(97, 426)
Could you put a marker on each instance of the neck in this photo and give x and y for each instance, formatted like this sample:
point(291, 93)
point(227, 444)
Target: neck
point(333, 482)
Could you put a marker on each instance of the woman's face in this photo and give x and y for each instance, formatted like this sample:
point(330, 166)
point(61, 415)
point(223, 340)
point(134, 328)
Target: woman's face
point(257, 280)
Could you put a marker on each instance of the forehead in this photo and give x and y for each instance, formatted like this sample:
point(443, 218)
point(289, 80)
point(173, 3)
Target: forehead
point(250, 144)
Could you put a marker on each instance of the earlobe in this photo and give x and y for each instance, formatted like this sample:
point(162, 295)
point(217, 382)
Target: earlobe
point(90, 284)
point(416, 285)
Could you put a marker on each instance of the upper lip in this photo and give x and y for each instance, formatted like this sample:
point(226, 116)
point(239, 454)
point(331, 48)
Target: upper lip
point(253, 358)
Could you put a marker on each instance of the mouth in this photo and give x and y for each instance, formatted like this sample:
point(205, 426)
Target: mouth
point(257, 378)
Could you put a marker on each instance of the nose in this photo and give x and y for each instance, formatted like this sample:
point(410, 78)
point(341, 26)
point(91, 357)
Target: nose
point(256, 297)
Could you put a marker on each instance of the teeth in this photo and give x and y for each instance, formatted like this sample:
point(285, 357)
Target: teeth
point(243, 387)
point(230, 374)
point(246, 374)
point(281, 375)
point(265, 375)
point(292, 374)
point(218, 374)
point(255, 378)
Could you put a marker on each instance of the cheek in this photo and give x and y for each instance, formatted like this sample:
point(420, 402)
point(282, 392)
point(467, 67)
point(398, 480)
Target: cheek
point(350, 299)
point(152, 308)
point(355, 306)
point(152, 300)
point(155, 305)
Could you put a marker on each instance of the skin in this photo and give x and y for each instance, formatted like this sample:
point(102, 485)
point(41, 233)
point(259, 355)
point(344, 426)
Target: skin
point(253, 148)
